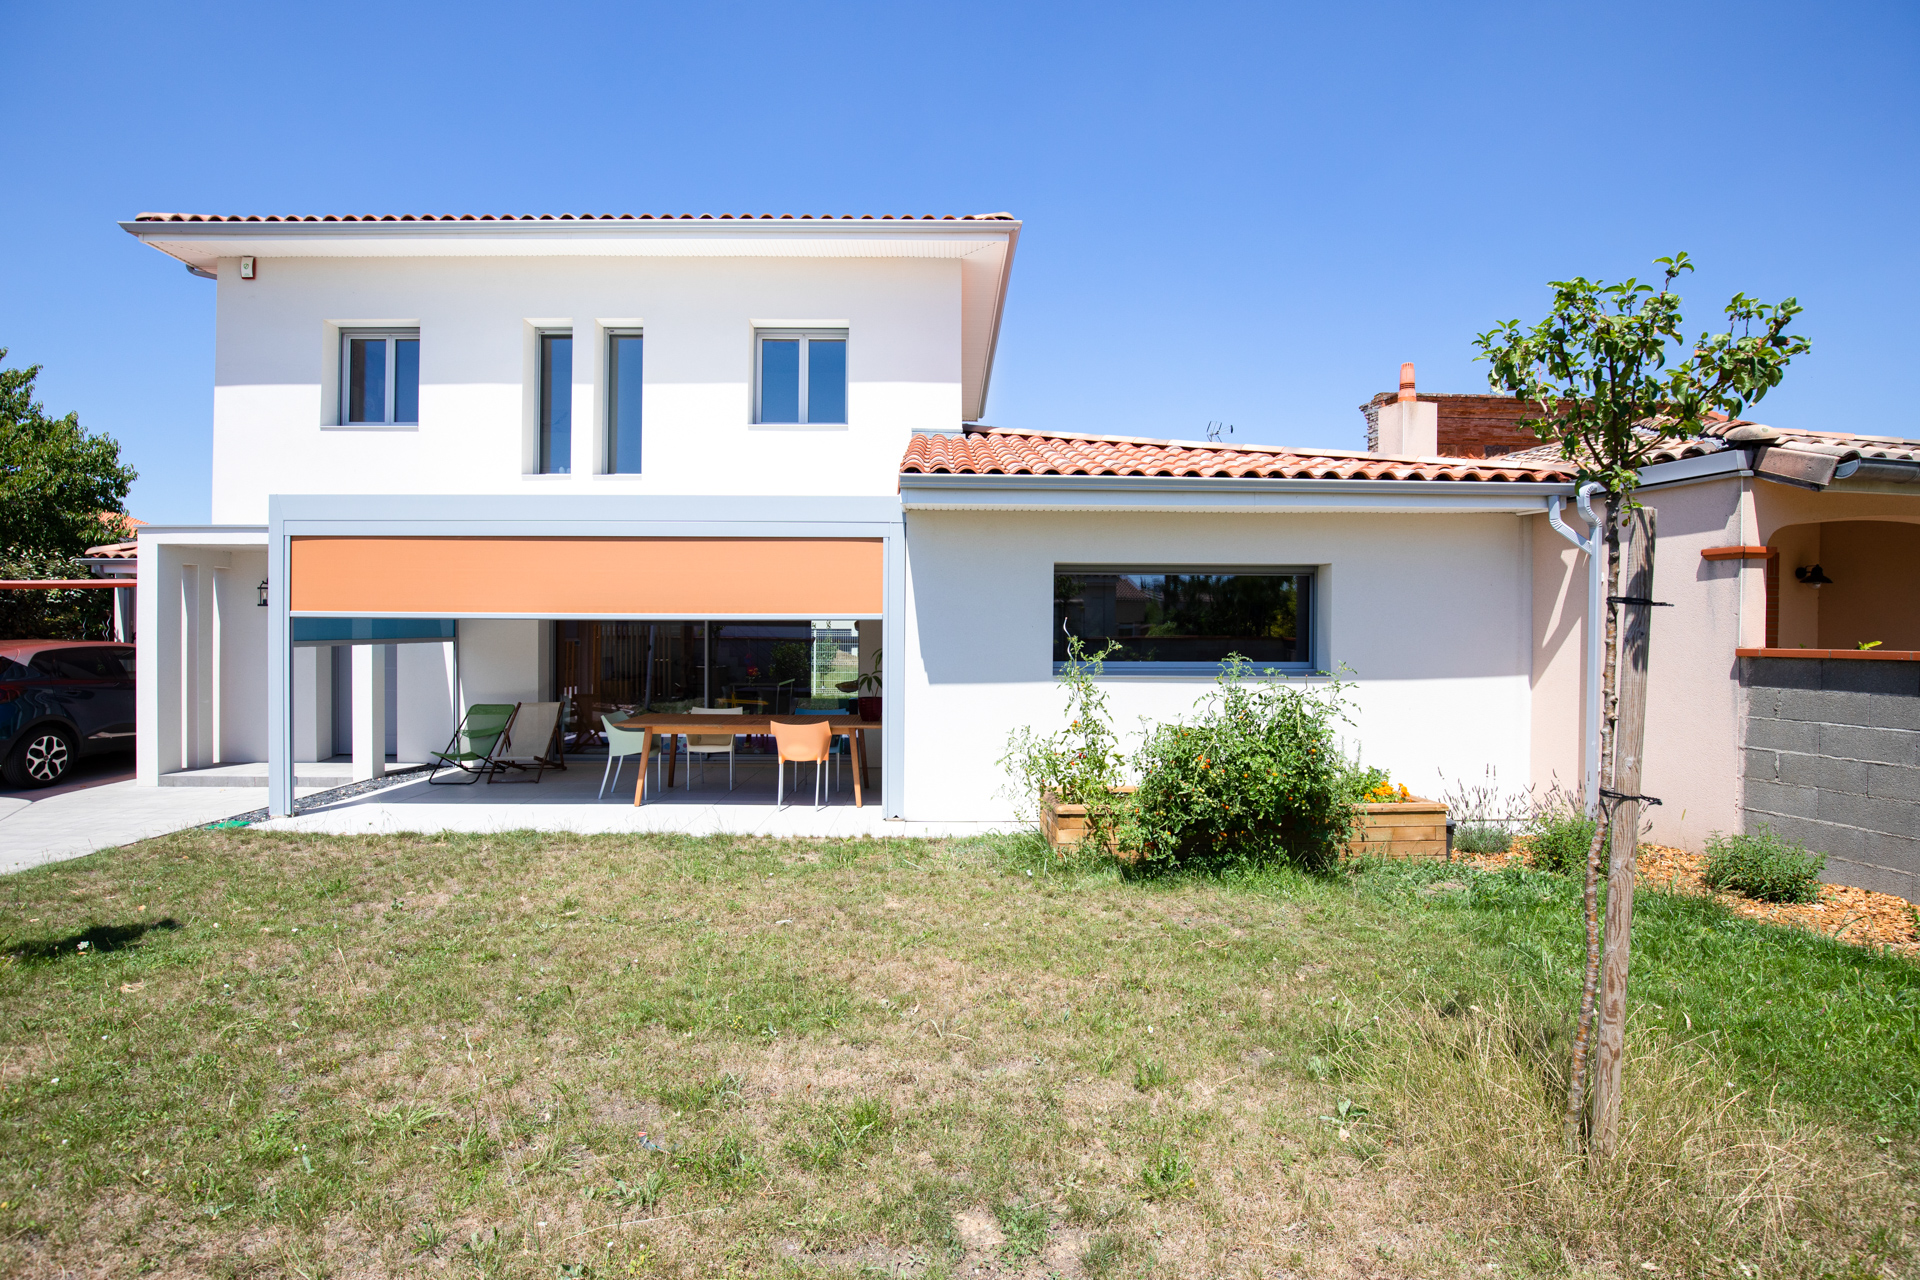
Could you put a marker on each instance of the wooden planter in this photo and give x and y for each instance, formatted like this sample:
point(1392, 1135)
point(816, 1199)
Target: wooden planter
point(1414, 829)
point(1065, 825)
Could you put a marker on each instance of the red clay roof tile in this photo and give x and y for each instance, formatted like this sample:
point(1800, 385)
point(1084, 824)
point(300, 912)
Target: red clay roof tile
point(1000, 452)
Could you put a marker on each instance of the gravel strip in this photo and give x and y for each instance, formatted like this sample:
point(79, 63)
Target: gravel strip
point(321, 799)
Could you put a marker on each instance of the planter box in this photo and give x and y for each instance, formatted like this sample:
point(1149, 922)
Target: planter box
point(1414, 829)
point(1065, 825)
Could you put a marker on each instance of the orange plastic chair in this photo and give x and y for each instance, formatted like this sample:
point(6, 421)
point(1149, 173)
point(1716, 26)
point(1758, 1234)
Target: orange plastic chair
point(796, 743)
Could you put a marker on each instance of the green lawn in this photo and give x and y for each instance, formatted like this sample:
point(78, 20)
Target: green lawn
point(537, 1055)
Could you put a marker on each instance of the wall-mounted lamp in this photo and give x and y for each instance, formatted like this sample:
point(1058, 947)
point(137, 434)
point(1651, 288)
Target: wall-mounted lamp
point(1812, 576)
point(263, 593)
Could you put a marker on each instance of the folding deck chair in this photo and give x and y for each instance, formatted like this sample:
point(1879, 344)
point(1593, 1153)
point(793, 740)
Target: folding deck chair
point(471, 748)
point(531, 743)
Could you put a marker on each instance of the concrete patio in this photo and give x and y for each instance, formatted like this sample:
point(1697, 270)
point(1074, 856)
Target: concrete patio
point(567, 801)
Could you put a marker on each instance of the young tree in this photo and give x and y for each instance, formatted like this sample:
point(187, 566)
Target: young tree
point(1614, 379)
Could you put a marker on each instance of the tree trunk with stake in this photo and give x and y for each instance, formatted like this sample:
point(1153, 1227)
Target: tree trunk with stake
point(1628, 740)
point(1574, 1124)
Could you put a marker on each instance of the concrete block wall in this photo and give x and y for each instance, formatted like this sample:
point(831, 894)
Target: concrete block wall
point(1832, 760)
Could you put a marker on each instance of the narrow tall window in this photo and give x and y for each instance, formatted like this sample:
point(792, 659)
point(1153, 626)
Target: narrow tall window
point(623, 403)
point(801, 375)
point(380, 377)
point(556, 403)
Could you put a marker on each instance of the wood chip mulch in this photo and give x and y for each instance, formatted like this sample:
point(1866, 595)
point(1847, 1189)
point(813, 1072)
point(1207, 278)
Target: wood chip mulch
point(1859, 916)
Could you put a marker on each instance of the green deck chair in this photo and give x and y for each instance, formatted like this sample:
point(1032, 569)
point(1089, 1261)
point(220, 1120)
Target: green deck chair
point(472, 746)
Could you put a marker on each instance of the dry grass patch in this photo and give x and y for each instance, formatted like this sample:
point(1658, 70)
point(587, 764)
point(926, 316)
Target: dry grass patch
point(553, 1056)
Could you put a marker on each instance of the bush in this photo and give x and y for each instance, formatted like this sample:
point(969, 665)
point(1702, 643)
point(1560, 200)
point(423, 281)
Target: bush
point(1482, 837)
point(1764, 866)
point(1560, 839)
point(1257, 778)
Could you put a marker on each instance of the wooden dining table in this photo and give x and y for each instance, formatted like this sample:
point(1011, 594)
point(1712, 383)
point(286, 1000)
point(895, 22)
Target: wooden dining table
point(670, 723)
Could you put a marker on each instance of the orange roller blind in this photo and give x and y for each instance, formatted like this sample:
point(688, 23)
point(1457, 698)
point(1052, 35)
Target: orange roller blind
point(565, 577)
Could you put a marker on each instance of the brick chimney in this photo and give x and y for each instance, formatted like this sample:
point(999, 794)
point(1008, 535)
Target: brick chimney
point(1407, 425)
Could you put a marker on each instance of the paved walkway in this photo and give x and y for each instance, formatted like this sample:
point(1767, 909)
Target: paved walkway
point(567, 802)
point(36, 829)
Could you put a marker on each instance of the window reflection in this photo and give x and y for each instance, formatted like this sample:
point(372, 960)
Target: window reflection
point(1185, 617)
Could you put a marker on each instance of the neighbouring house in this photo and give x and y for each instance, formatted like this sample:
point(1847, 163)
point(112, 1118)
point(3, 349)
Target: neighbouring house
point(731, 459)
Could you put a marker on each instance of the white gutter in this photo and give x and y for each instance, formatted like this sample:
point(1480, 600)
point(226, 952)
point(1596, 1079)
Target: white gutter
point(1596, 634)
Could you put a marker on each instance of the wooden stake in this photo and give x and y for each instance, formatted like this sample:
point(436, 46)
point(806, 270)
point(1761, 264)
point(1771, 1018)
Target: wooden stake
point(1629, 737)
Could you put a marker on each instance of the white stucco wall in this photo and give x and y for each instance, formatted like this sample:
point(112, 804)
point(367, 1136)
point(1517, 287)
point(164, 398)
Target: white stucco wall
point(499, 661)
point(277, 358)
point(424, 700)
point(1431, 613)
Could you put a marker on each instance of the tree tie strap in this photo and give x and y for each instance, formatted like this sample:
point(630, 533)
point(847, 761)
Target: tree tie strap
point(1658, 604)
point(1621, 795)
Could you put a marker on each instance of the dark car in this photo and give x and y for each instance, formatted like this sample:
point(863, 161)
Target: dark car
point(60, 700)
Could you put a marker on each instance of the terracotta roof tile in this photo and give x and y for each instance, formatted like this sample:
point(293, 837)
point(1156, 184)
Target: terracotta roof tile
point(115, 551)
point(573, 217)
point(1002, 452)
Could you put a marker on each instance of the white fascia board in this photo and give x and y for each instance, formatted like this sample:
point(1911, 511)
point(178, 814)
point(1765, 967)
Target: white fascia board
point(542, 515)
point(1222, 495)
point(203, 244)
point(1728, 462)
point(203, 535)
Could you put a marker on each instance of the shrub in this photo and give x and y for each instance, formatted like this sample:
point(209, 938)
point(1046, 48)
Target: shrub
point(1256, 778)
point(1482, 837)
point(1081, 763)
point(1764, 866)
point(1560, 840)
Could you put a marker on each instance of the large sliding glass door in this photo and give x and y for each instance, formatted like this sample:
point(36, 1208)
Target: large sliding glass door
point(768, 668)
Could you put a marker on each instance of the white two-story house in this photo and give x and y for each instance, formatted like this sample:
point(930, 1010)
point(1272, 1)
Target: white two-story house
point(731, 460)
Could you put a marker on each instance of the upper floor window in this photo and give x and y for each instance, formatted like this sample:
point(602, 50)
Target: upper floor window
point(1194, 619)
point(624, 351)
point(802, 375)
point(556, 403)
point(380, 376)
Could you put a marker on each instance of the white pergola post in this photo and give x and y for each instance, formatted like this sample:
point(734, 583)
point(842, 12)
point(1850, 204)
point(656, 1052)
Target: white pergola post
point(369, 711)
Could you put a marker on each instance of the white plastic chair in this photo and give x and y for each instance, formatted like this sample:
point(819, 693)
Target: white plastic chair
point(622, 743)
point(711, 744)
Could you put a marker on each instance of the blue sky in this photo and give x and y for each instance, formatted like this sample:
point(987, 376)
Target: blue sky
point(1249, 214)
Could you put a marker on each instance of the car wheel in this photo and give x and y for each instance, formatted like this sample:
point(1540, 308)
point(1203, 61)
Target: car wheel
point(44, 757)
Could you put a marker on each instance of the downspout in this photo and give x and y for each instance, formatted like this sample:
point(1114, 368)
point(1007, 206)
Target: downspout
point(1596, 634)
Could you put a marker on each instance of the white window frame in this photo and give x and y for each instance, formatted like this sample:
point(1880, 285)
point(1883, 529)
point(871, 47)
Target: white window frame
point(1211, 670)
point(347, 339)
point(542, 443)
point(611, 394)
point(805, 335)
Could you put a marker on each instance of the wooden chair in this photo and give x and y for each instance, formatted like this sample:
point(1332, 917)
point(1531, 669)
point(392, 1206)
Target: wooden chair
point(711, 744)
point(797, 743)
